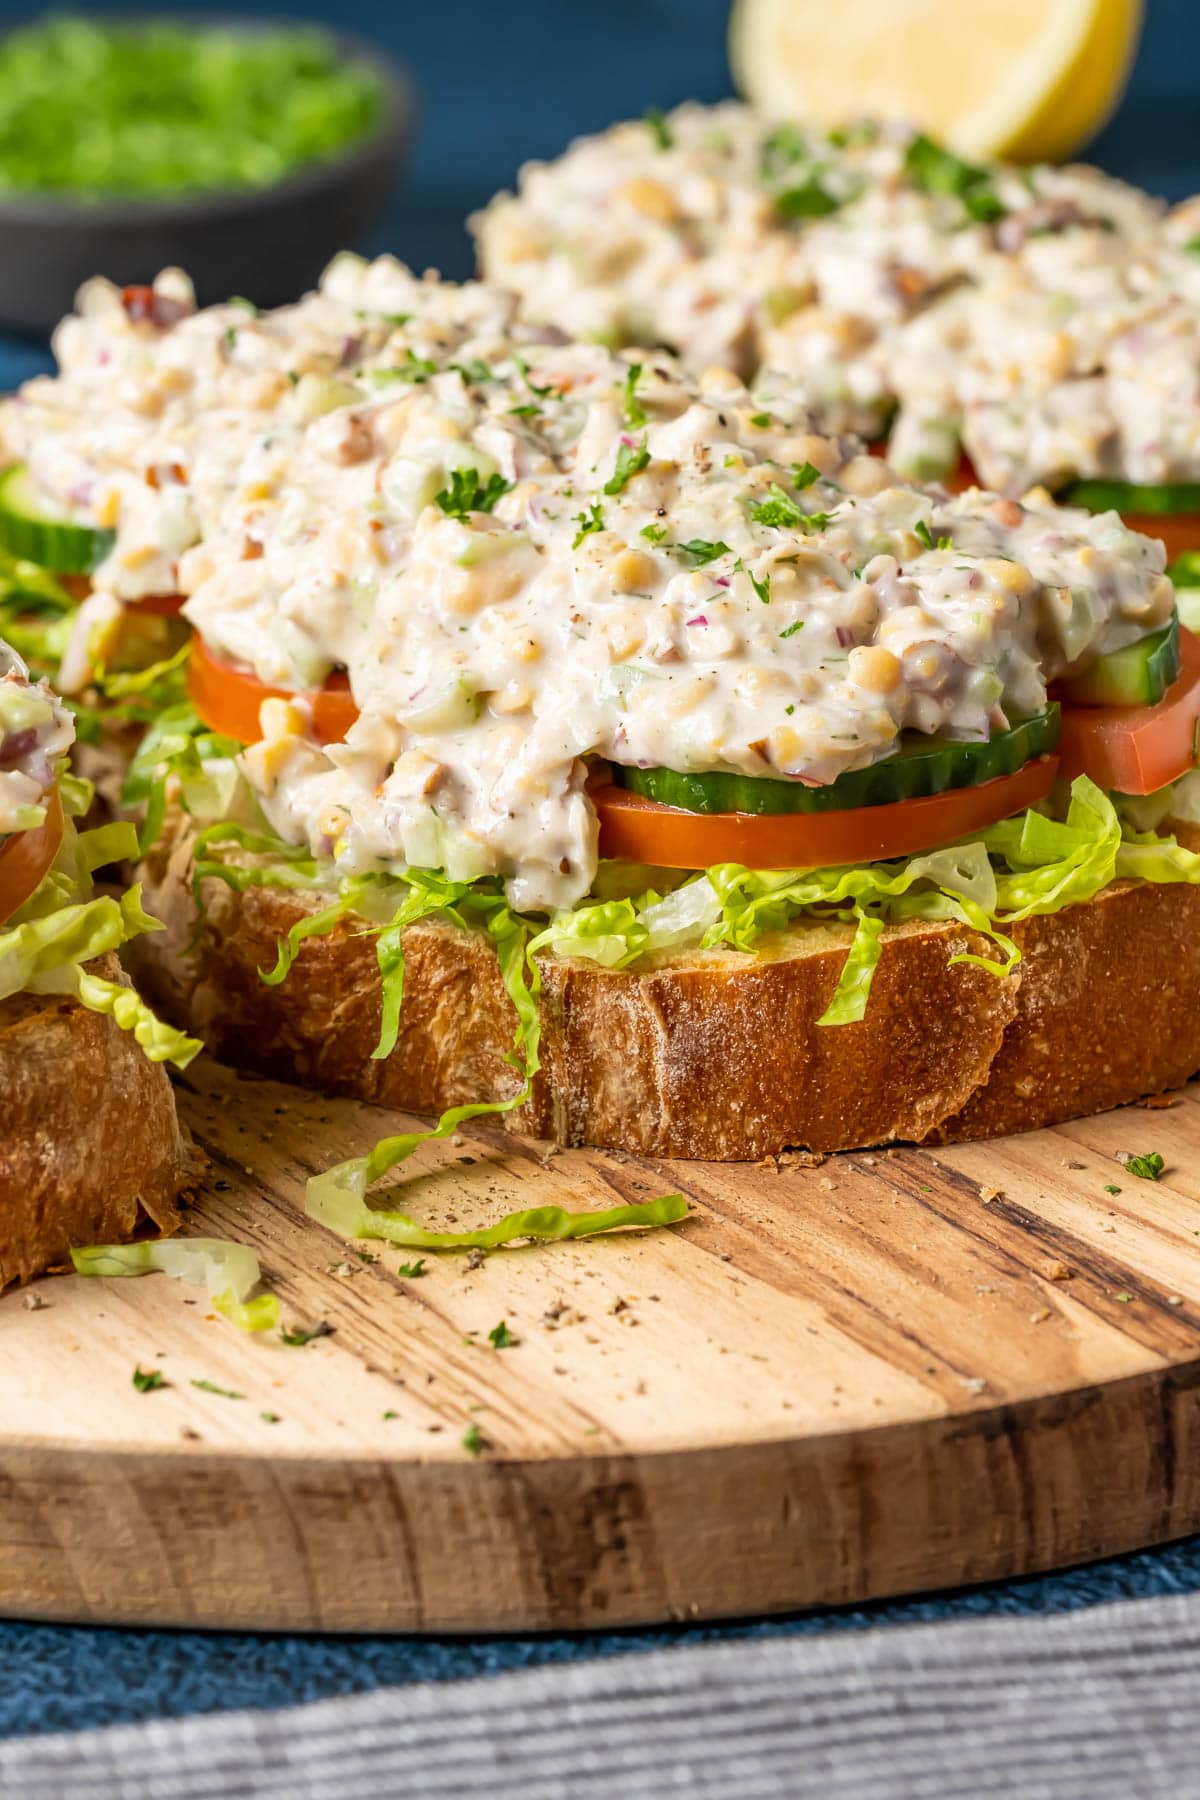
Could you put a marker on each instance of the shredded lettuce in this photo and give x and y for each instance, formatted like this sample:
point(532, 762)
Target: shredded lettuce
point(344, 1211)
point(159, 1042)
point(177, 745)
point(510, 935)
point(228, 1270)
point(1031, 864)
point(35, 613)
point(47, 943)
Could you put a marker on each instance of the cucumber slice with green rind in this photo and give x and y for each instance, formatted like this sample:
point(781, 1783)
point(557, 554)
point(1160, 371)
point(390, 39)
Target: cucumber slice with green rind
point(1184, 572)
point(1159, 499)
point(920, 766)
point(52, 541)
point(1138, 675)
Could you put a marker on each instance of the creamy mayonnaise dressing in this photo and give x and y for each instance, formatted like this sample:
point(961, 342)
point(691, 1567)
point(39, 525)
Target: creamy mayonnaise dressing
point(736, 240)
point(35, 730)
point(159, 411)
point(1049, 319)
point(550, 554)
point(1077, 359)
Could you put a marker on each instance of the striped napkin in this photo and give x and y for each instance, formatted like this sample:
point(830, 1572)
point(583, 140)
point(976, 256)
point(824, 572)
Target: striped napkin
point(1092, 1705)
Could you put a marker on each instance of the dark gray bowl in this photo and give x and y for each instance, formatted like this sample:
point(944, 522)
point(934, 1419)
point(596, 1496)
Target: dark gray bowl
point(268, 244)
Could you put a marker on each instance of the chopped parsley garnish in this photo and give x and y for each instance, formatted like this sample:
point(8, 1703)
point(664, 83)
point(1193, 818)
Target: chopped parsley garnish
point(210, 1387)
point(804, 474)
point(270, 1418)
point(525, 412)
point(467, 494)
point(1146, 1168)
point(761, 419)
point(298, 1336)
point(631, 406)
point(656, 123)
point(229, 336)
point(785, 145)
point(414, 368)
point(1110, 1187)
point(761, 587)
point(413, 1270)
point(472, 1440)
point(244, 305)
point(807, 200)
point(391, 1413)
point(703, 550)
point(922, 531)
point(532, 385)
point(500, 1337)
point(146, 1380)
point(472, 372)
point(937, 170)
point(121, 108)
point(781, 510)
point(1192, 247)
point(590, 520)
point(792, 629)
point(630, 462)
point(395, 320)
point(654, 534)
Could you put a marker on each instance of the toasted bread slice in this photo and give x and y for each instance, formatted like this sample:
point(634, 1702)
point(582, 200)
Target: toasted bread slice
point(90, 1147)
point(711, 1054)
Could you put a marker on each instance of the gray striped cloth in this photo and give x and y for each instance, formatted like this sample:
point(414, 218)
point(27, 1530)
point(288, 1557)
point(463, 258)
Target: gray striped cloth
point(1095, 1705)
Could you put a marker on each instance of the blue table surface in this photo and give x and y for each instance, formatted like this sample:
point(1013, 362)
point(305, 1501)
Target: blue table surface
point(497, 86)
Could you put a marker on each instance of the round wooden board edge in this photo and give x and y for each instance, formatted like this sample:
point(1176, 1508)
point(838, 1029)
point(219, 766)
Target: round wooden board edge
point(180, 1538)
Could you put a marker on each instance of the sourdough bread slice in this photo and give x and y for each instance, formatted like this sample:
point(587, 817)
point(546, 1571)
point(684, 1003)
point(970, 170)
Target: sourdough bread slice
point(710, 1054)
point(90, 1147)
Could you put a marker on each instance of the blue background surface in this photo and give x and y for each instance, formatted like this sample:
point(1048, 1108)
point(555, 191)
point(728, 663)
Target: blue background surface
point(500, 83)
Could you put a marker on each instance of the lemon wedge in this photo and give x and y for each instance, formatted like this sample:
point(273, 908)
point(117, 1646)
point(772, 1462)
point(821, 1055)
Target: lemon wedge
point(1028, 79)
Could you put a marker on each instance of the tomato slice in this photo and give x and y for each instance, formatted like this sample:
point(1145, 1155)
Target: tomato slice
point(228, 698)
point(963, 477)
point(1137, 749)
point(159, 606)
point(645, 831)
point(26, 857)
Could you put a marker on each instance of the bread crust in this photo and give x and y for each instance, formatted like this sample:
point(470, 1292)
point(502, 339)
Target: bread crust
point(91, 1147)
point(715, 1054)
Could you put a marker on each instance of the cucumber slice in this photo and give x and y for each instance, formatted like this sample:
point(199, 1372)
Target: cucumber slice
point(1138, 675)
point(1128, 497)
point(920, 766)
point(55, 542)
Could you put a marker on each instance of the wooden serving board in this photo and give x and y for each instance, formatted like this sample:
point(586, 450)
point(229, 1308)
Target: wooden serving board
point(887, 1372)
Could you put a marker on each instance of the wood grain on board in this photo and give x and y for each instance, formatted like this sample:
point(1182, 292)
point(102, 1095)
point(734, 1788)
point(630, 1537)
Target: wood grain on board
point(890, 1371)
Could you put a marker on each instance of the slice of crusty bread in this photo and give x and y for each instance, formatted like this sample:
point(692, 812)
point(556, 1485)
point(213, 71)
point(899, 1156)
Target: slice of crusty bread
point(710, 1054)
point(90, 1146)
